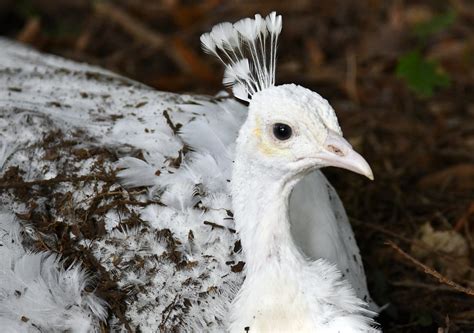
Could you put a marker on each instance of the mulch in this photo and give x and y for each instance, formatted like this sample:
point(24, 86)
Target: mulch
point(420, 147)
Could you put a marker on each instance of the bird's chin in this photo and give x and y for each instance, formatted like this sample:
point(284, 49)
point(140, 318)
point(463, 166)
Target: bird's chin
point(303, 166)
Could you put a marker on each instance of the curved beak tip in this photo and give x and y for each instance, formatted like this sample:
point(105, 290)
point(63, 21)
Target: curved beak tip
point(350, 159)
point(356, 163)
point(370, 175)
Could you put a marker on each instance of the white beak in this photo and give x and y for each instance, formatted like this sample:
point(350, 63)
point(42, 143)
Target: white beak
point(339, 153)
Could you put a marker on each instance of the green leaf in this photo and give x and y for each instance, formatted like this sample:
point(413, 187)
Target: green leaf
point(421, 75)
point(26, 9)
point(436, 24)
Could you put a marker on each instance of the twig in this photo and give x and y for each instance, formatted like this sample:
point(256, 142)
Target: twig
point(107, 194)
point(167, 311)
point(130, 25)
point(215, 225)
point(111, 194)
point(428, 270)
point(381, 230)
point(113, 204)
point(40, 239)
point(465, 218)
point(140, 32)
point(404, 239)
point(174, 128)
point(56, 180)
point(351, 76)
point(181, 54)
point(420, 285)
point(95, 203)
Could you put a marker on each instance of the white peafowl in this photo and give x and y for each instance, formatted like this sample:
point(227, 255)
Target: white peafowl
point(212, 166)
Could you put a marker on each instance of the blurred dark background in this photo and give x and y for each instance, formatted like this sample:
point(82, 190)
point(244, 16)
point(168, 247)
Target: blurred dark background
point(400, 75)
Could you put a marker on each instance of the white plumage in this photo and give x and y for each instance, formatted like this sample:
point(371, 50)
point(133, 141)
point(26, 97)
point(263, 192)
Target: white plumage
point(196, 295)
point(37, 294)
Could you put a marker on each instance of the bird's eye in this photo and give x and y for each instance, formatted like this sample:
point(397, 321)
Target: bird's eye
point(282, 131)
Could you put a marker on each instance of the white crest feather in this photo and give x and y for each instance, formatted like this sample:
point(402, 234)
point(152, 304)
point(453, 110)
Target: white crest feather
point(247, 48)
point(240, 91)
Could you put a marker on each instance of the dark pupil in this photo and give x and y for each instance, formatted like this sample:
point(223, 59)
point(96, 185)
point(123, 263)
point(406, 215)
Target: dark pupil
point(282, 131)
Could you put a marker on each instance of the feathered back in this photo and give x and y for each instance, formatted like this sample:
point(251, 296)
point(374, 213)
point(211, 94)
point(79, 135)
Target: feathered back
point(247, 49)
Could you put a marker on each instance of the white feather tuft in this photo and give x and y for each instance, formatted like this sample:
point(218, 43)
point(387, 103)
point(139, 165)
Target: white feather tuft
point(237, 72)
point(224, 35)
point(261, 25)
point(274, 23)
point(247, 48)
point(247, 27)
point(274, 26)
point(207, 43)
point(37, 294)
point(134, 172)
point(240, 92)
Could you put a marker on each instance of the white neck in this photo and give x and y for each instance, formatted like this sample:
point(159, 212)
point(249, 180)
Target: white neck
point(260, 198)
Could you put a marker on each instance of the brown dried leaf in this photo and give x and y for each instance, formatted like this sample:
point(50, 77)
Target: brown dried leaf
point(455, 264)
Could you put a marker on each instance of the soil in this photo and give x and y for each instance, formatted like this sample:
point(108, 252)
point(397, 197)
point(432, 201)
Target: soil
point(420, 147)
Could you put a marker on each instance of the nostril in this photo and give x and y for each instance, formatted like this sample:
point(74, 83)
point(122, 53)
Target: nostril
point(335, 150)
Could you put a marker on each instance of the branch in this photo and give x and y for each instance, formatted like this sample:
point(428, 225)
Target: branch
point(182, 55)
point(130, 25)
point(428, 270)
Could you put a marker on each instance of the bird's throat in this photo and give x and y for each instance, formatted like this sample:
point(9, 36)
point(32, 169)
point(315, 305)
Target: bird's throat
point(260, 198)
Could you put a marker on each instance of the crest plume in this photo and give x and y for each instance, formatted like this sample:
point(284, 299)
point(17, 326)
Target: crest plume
point(247, 49)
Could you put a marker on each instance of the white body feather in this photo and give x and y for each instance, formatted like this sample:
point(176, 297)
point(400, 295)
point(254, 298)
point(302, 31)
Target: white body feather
point(37, 294)
point(315, 210)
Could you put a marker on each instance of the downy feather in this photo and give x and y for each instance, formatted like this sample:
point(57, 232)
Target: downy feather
point(37, 294)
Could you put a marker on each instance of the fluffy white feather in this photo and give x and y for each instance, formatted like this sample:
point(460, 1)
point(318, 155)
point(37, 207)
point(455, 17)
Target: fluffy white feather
point(187, 286)
point(37, 294)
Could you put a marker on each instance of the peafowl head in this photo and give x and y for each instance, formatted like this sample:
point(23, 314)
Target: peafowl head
point(288, 127)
